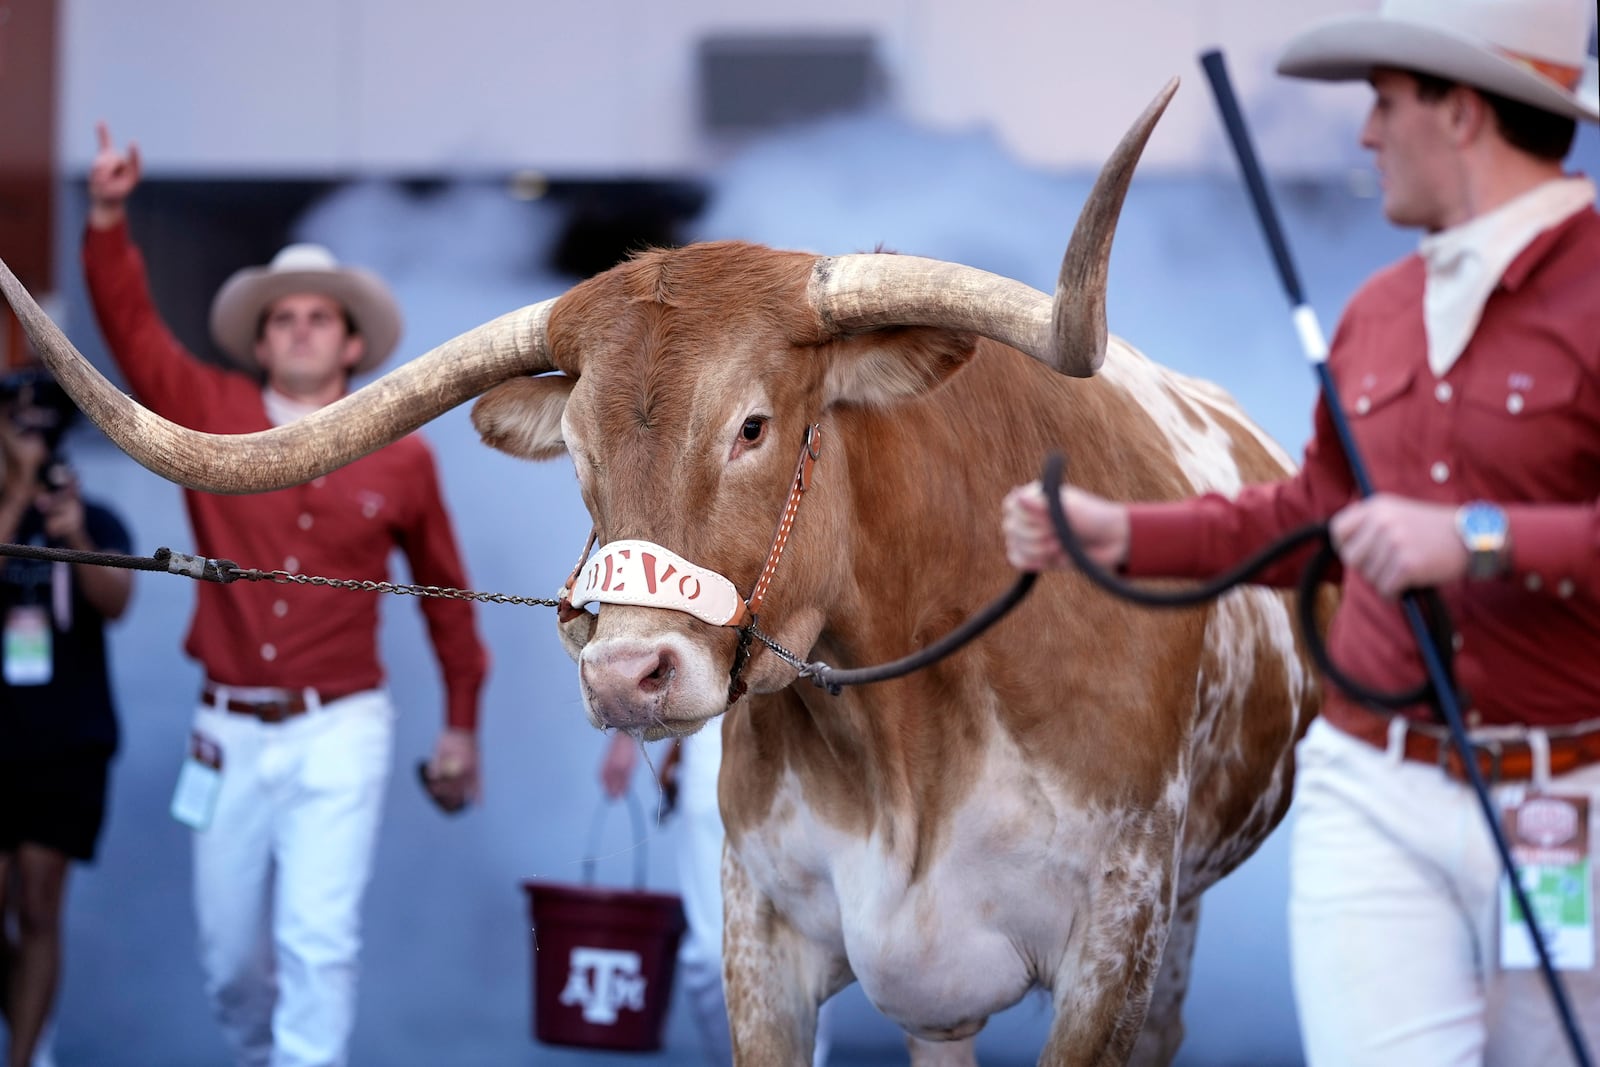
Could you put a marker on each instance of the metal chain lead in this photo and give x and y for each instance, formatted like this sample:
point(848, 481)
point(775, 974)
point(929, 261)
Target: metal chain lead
point(224, 571)
point(782, 653)
point(368, 586)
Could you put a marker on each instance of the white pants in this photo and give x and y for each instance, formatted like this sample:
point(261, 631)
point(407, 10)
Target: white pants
point(1393, 912)
point(280, 872)
point(700, 881)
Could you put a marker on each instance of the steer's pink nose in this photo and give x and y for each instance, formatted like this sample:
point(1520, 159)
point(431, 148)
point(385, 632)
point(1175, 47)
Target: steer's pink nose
point(626, 685)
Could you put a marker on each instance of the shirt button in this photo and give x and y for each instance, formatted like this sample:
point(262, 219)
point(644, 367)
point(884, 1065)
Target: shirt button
point(1440, 472)
point(319, 481)
point(1442, 392)
point(269, 651)
point(304, 520)
point(291, 563)
point(1514, 403)
point(1474, 719)
point(1456, 641)
point(1363, 405)
point(1565, 588)
point(280, 608)
point(1534, 583)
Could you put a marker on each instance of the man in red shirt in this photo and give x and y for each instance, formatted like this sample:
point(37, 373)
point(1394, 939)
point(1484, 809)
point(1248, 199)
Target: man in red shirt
point(291, 745)
point(1469, 374)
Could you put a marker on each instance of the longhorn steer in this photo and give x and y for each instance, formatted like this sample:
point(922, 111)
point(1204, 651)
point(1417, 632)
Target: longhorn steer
point(1042, 809)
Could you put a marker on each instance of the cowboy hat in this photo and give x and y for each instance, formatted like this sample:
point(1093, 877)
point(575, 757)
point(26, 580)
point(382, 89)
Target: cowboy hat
point(1531, 51)
point(304, 268)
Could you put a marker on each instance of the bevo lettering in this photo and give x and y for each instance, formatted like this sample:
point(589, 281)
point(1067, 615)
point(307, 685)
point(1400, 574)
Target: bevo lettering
point(650, 575)
point(619, 557)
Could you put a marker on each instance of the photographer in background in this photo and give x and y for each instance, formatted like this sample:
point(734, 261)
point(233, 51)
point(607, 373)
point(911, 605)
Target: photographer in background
point(58, 728)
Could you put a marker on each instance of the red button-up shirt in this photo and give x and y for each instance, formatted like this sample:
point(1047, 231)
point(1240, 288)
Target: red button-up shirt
point(1516, 420)
point(344, 524)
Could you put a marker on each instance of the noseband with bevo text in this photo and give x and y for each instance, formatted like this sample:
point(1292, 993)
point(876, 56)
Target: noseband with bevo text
point(643, 574)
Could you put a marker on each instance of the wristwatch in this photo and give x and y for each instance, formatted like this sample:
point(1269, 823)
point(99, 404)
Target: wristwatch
point(1483, 528)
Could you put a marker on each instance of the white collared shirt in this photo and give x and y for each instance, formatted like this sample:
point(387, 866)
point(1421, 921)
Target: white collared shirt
point(1465, 262)
point(282, 410)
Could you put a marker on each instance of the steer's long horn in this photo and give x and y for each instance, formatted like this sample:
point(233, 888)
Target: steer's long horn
point(364, 421)
point(1067, 333)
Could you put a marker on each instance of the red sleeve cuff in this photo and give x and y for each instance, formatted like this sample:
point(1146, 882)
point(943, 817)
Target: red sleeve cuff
point(1558, 544)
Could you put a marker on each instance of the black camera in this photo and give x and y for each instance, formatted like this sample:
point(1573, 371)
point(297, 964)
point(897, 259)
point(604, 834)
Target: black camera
point(36, 403)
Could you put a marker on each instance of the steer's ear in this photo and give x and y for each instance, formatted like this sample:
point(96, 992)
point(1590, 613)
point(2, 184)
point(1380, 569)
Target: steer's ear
point(882, 367)
point(522, 417)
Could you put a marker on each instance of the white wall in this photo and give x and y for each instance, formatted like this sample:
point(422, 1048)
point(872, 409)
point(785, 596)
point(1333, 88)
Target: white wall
point(605, 86)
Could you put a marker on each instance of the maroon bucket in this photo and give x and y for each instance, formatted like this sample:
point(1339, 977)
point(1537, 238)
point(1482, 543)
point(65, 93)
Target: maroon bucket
point(603, 959)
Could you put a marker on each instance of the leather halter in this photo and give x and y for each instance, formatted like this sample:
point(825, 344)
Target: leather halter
point(810, 449)
point(747, 614)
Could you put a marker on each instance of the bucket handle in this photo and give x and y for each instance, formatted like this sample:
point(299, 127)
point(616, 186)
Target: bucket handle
point(636, 816)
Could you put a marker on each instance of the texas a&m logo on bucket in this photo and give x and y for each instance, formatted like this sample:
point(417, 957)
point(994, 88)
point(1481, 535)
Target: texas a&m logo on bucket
point(604, 981)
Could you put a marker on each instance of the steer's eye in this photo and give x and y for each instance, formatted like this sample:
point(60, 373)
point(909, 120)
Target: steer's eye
point(751, 434)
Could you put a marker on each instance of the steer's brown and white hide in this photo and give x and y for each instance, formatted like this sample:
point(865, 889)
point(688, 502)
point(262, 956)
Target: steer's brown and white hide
point(1042, 809)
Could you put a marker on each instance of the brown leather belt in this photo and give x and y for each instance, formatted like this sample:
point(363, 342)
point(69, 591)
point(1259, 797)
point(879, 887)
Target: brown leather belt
point(1500, 759)
point(282, 704)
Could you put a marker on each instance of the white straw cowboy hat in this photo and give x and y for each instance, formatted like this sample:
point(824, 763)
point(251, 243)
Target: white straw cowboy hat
point(304, 268)
point(1531, 51)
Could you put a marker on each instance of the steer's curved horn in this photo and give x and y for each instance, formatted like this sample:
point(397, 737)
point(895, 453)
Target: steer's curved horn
point(366, 420)
point(1068, 333)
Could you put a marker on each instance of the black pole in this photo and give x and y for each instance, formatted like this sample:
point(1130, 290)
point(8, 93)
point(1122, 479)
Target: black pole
point(1311, 338)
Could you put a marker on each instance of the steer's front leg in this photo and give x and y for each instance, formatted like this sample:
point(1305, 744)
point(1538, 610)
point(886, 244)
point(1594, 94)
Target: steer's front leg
point(773, 977)
point(1103, 989)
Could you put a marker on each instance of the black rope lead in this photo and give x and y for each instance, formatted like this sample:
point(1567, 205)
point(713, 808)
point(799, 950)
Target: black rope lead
point(1189, 596)
point(164, 559)
point(834, 680)
point(1311, 578)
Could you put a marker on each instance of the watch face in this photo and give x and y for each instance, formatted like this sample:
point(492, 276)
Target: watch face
point(1483, 522)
